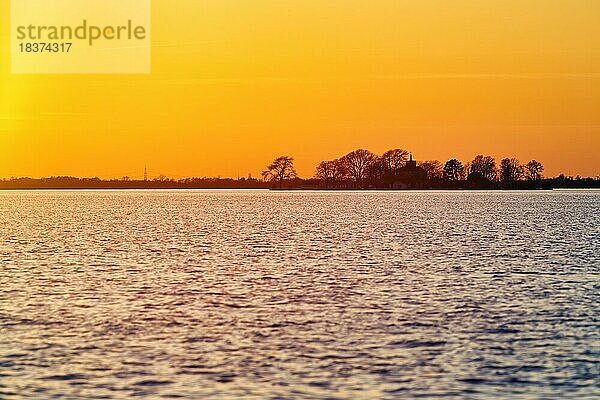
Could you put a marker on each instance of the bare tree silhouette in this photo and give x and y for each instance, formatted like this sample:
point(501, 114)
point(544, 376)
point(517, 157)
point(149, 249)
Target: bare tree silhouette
point(280, 170)
point(393, 160)
point(323, 171)
point(484, 166)
point(510, 170)
point(434, 169)
point(376, 170)
point(453, 170)
point(533, 170)
point(330, 172)
point(357, 164)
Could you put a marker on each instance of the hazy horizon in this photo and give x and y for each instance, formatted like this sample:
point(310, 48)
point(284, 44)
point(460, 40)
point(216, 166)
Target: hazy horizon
point(139, 175)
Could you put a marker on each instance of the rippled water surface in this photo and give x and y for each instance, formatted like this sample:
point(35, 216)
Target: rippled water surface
point(166, 294)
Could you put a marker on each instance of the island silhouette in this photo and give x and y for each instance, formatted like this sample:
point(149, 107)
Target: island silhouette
point(361, 169)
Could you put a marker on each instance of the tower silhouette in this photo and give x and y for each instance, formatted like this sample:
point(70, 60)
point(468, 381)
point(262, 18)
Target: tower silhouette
point(145, 173)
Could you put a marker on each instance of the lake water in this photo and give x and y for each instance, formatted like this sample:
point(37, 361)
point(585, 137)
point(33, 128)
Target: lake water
point(256, 294)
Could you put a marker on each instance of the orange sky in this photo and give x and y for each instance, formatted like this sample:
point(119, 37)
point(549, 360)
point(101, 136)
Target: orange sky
point(236, 83)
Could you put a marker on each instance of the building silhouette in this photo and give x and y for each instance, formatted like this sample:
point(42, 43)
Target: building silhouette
point(410, 176)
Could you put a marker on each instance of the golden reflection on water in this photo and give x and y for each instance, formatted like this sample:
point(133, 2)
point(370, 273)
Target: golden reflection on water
point(298, 295)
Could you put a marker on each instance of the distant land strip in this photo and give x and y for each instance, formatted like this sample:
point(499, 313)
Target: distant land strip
point(72, 183)
point(395, 169)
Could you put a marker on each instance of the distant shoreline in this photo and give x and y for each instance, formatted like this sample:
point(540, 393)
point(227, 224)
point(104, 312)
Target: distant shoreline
point(71, 183)
point(59, 189)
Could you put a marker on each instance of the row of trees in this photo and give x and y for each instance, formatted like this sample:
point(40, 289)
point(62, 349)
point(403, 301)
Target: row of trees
point(362, 165)
point(484, 167)
point(364, 168)
point(359, 166)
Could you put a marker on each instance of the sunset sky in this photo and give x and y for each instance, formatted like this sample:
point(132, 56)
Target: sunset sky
point(235, 83)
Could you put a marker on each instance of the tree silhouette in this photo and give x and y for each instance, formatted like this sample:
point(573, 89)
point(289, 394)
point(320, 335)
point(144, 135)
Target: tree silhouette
point(281, 169)
point(161, 178)
point(484, 166)
point(357, 163)
point(533, 170)
point(376, 170)
point(323, 171)
point(453, 170)
point(393, 160)
point(434, 169)
point(330, 171)
point(338, 170)
point(510, 170)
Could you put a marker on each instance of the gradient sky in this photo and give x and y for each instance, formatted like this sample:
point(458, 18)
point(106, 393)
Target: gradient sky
point(235, 83)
